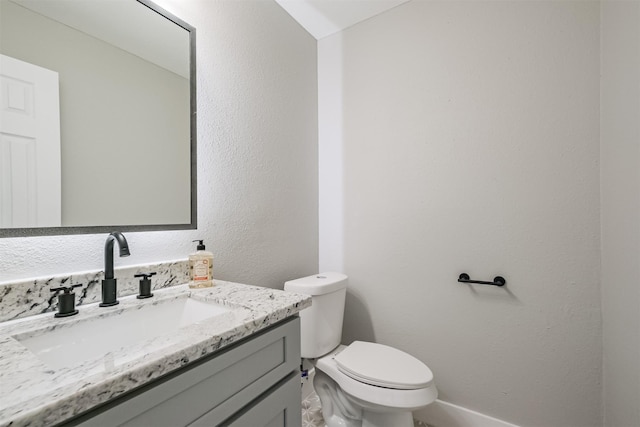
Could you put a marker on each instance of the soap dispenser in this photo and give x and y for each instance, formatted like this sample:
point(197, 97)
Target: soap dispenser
point(201, 267)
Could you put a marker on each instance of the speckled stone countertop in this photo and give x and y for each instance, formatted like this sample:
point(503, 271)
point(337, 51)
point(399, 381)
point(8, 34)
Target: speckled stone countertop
point(35, 394)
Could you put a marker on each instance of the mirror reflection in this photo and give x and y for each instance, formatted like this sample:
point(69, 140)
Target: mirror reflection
point(96, 125)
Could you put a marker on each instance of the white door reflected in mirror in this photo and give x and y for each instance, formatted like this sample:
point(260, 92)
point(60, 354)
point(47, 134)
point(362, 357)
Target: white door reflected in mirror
point(30, 168)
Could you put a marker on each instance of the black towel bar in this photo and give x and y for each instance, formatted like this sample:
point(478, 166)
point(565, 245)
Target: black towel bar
point(497, 281)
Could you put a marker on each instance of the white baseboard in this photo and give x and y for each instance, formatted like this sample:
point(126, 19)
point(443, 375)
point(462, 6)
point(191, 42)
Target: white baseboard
point(444, 414)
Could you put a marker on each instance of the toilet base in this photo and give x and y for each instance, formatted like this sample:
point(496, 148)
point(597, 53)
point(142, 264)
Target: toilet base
point(340, 410)
point(376, 419)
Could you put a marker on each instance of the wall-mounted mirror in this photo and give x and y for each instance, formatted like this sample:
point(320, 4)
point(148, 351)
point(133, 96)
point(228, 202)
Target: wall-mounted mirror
point(98, 119)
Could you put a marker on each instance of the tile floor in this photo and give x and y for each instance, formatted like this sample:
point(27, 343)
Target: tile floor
point(311, 414)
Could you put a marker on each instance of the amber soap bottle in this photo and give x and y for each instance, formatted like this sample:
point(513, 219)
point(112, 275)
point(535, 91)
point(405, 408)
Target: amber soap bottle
point(201, 267)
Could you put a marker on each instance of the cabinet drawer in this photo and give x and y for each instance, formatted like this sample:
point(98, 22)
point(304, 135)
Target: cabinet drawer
point(279, 407)
point(218, 386)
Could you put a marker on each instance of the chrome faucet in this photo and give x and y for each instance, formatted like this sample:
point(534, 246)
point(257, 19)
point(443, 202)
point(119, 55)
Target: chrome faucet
point(109, 284)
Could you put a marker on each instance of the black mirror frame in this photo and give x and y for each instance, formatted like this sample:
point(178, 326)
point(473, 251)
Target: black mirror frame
point(57, 231)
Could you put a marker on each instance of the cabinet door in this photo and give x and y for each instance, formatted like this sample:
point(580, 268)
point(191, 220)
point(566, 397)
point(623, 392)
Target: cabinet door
point(280, 407)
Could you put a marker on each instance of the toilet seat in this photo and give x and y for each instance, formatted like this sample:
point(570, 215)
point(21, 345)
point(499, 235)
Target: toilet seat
point(371, 396)
point(383, 366)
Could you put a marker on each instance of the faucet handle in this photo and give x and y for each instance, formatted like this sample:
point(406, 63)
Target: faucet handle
point(66, 301)
point(66, 289)
point(145, 285)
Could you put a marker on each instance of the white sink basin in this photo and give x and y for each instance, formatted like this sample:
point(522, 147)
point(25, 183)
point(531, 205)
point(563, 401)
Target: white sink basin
point(112, 340)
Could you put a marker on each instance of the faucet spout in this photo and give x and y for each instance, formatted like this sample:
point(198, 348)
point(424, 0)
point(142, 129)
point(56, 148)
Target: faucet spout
point(109, 284)
point(108, 252)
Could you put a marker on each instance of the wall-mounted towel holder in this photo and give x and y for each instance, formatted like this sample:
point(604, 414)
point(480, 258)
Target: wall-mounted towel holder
point(497, 281)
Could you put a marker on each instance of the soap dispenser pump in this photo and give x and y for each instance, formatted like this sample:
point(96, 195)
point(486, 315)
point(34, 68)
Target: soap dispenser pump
point(201, 267)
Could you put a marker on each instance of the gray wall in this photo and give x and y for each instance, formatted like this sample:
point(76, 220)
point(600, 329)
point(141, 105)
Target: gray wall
point(470, 143)
point(620, 174)
point(257, 110)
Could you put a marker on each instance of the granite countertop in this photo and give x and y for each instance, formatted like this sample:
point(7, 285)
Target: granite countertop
point(33, 393)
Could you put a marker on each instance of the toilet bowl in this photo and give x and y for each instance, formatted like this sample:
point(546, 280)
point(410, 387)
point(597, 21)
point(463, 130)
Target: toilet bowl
point(362, 384)
point(366, 393)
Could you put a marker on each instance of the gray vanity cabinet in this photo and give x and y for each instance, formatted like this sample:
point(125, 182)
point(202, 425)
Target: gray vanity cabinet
point(252, 383)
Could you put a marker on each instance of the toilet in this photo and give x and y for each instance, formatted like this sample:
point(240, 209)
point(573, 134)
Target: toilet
point(362, 384)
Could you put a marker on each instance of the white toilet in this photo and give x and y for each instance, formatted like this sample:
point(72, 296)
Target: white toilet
point(363, 384)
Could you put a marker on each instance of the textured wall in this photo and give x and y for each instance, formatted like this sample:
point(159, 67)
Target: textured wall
point(257, 110)
point(470, 143)
point(620, 175)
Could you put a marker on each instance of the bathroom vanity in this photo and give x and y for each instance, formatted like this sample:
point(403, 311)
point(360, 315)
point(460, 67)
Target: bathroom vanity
point(178, 364)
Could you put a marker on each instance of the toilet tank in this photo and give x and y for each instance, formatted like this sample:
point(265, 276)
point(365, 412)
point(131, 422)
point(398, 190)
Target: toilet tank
point(321, 324)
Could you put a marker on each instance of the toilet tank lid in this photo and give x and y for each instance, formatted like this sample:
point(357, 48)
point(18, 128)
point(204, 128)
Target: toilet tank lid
point(317, 284)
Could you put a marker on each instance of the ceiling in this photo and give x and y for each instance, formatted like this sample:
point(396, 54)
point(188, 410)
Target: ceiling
point(322, 18)
point(118, 22)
